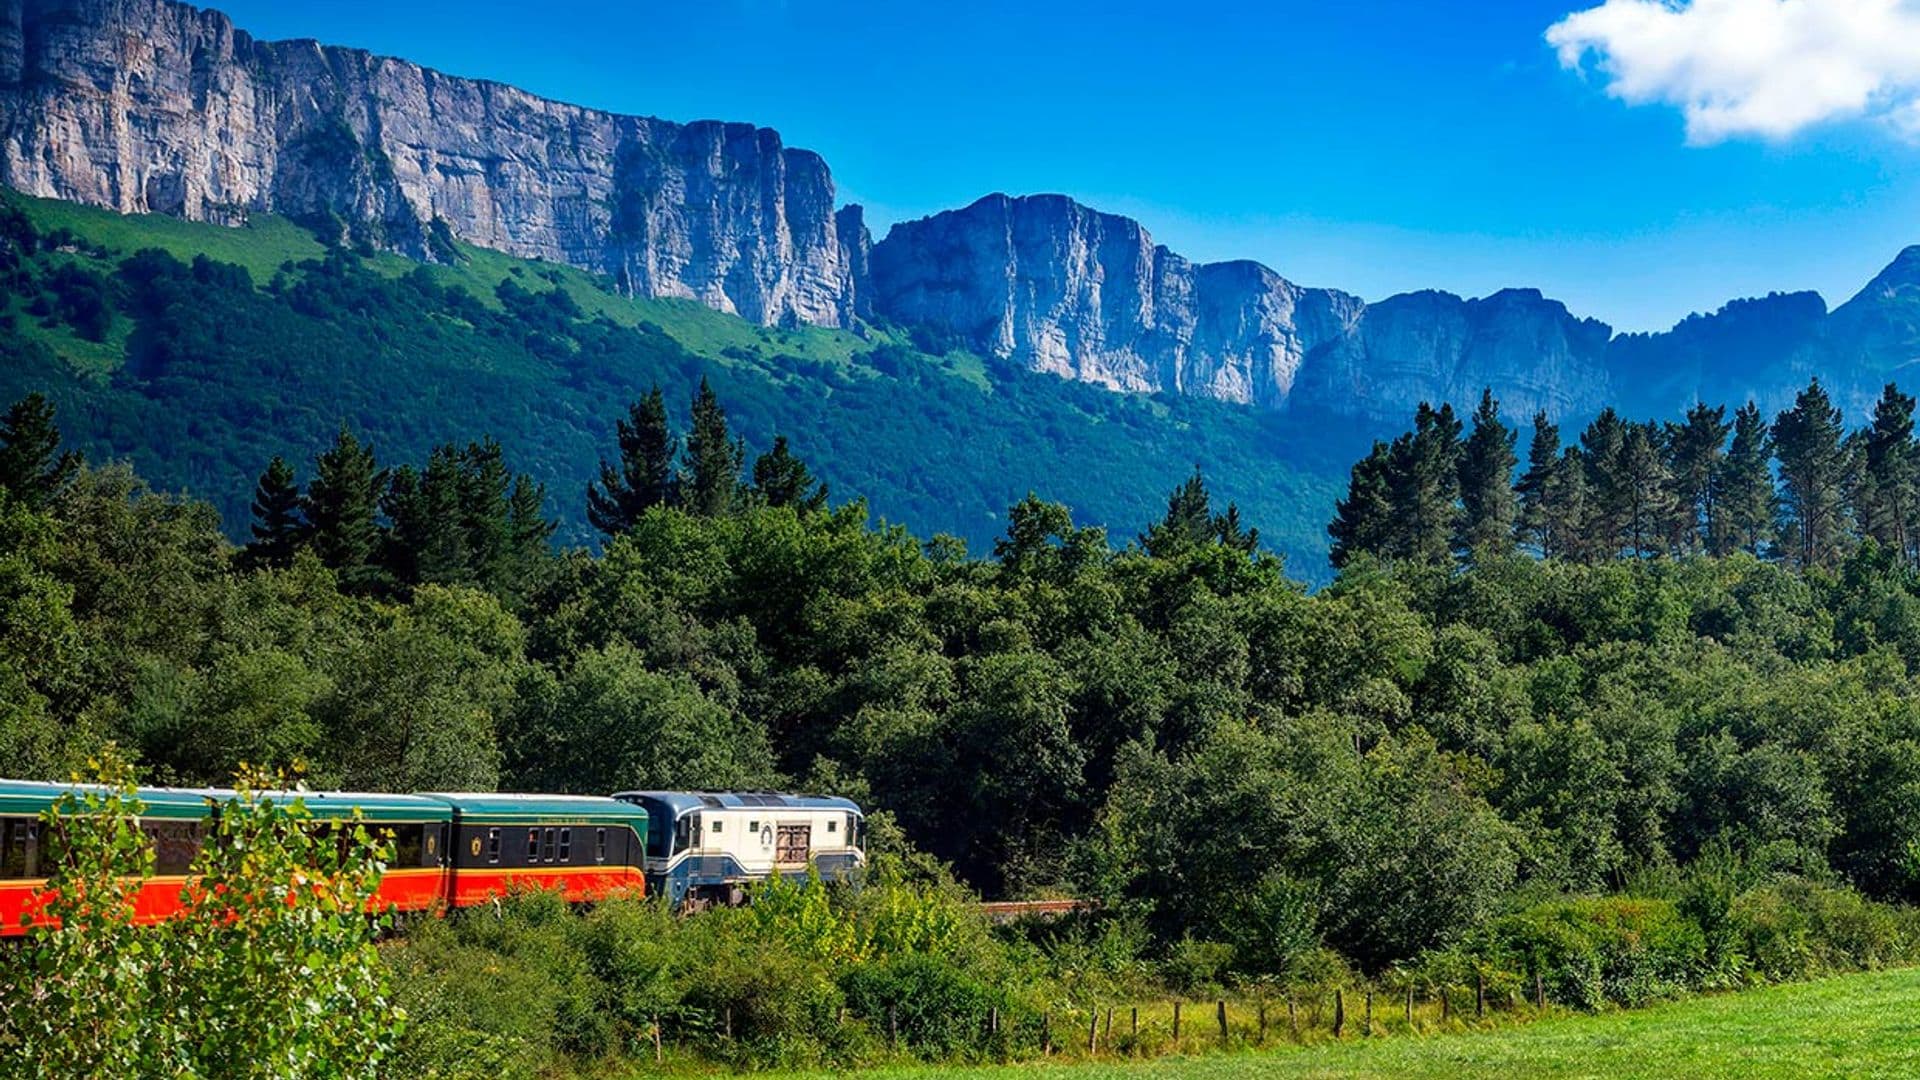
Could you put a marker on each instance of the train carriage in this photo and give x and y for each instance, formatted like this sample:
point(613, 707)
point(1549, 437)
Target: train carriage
point(704, 847)
point(584, 846)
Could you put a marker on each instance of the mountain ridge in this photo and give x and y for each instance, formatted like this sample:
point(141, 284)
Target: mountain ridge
point(153, 105)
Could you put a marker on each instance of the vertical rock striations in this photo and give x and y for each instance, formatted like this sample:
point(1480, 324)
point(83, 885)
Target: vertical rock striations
point(154, 106)
point(1057, 287)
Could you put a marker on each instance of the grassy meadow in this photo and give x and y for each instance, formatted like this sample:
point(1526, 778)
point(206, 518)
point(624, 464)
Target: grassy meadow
point(1850, 1026)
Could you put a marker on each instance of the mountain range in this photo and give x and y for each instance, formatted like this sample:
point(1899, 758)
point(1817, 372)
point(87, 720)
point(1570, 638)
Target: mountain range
point(155, 107)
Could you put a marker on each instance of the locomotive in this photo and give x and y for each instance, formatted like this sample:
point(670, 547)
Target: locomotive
point(457, 850)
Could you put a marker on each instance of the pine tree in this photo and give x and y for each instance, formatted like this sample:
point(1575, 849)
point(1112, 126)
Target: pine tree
point(484, 485)
point(340, 509)
point(1425, 485)
point(1232, 533)
point(1697, 452)
point(32, 467)
point(529, 537)
point(1609, 492)
point(1647, 488)
point(1188, 522)
point(1543, 457)
point(781, 479)
point(1746, 495)
point(1486, 483)
point(1363, 521)
point(278, 528)
point(643, 477)
point(1808, 439)
point(710, 478)
point(1568, 510)
point(1888, 481)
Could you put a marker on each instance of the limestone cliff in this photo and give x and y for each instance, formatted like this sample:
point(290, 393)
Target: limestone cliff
point(154, 106)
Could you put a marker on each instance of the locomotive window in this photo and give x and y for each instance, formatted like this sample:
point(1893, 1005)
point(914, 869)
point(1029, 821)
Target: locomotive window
point(831, 824)
point(599, 845)
point(683, 833)
point(716, 826)
point(753, 826)
point(533, 845)
point(493, 845)
point(566, 845)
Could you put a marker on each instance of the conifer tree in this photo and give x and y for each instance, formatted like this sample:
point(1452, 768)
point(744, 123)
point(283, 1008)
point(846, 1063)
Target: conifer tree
point(278, 526)
point(643, 476)
point(1697, 452)
point(1486, 483)
point(484, 486)
point(1645, 485)
point(340, 509)
point(1543, 457)
point(32, 467)
point(1888, 481)
point(782, 479)
point(529, 537)
point(1809, 441)
point(1188, 522)
point(710, 478)
point(1568, 510)
point(1424, 481)
point(1363, 521)
point(1609, 492)
point(1746, 494)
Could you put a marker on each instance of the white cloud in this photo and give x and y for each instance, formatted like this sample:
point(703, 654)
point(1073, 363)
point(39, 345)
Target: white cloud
point(1754, 67)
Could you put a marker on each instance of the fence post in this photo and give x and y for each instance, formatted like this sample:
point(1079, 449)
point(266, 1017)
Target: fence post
point(1539, 989)
point(1093, 1029)
point(1339, 1012)
point(658, 1053)
point(993, 1020)
point(729, 1021)
point(1293, 1020)
point(893, 1027)
point(1046, 1032)
point(1220, 1011)
point(1136, 1019)
point(1176, 1020)
point(1479, 994)
point(1368, 1028)
point(1106, 1029)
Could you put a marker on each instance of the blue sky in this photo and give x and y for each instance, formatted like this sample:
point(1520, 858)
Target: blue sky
point(1375, 147)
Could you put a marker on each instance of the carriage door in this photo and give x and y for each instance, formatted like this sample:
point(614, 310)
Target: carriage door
point(791, 843)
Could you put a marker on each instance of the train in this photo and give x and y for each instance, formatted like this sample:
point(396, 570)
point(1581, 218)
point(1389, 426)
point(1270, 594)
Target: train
point(455, 850)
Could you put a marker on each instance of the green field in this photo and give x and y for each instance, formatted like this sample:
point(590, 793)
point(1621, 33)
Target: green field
point(1855, 1025)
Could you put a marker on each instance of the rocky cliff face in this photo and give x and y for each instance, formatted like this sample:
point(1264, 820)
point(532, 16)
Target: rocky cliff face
point(1061, 288)
point(1058, 287)
point(153, 106)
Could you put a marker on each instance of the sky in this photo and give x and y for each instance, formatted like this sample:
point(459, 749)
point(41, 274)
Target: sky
point(1637, 159)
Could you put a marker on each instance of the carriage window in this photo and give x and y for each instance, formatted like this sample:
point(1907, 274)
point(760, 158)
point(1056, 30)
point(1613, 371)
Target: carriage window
point(599, 845)
point(407, 841)
point(533, 845)
point(566, 845)
point(17, 859)
point(546, 851)
point(493, 845)
point(175, 843)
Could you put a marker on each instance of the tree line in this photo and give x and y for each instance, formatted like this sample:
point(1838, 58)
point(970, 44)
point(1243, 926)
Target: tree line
point(1802, 488)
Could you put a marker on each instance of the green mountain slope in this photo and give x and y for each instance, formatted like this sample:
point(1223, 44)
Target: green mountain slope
point(199, 371)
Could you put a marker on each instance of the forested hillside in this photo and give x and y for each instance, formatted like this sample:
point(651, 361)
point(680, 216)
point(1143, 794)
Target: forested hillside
point(198, 352)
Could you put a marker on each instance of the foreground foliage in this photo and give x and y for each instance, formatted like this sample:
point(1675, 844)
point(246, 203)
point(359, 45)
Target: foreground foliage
point(269, 970)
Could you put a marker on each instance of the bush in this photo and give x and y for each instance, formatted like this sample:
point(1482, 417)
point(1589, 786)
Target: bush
point(941, 1011)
